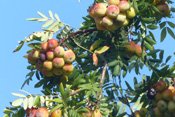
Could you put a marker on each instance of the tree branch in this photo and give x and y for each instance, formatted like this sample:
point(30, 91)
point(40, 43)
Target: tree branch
point(76, 91)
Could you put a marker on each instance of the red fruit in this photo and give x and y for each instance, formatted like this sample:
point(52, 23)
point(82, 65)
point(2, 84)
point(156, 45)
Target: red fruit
point(44, 46)
point(112, 11)
point(69, 56)
point(42, 112)
point(32, 113)
point(130, 48)
point(123, 5)
point(67, 69)
point(161, 85)
point(100, 9)
point(87, 114)
point(163, 9)
point(113, 2)
point(59, 51)
point(50, 55)
point(56, 113)
point(91, 11)
point(42, 57)
point(58, 62)
point(167, 94)
point(138, 50)
point(33, 56)
point(52, 44)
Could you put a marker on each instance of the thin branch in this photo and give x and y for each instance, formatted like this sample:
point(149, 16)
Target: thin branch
point(102, 79)
point(76, 91)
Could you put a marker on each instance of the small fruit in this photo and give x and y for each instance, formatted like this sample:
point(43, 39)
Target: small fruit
point(123, 5)
point(172, 89)
point(171, 106)
point(167, 94)
point(99, 24)
point(96, 113)
point(52, 44)
point(107, 22)
point(161, 85)
point(143, 111)
point(158, 96)
point(91, 11)
point(57, 71)
point(157, 112)
point(115, 26)
point(121, 17)
point(42, 112)
point(163, 9)
point(44, 46)
point(130, 48)
point(125, 23)
point(162, 105)
point(67, 69)
point(100, 10)
point(47, 73)
point(112, 11)
point(138, 50)
point(59, 51)
point(130, 13)
point(39, 65)
point(32, 113)
point(56, 113)
point(167, 114)
point(48, 65)
point(69, 56)
point(113, 2)
point(42, 57)
point(33, 56)
point(58, 62)
point(50, 55)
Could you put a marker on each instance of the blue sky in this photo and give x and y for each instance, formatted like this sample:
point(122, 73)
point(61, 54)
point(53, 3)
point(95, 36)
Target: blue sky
point(14, 27)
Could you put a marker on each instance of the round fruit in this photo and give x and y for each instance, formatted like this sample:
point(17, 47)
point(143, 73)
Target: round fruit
point(42, 112)
point(56, 113)
point(52, 44)
point(69, 56)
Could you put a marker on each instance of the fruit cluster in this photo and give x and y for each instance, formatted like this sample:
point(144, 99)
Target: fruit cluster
point(141, 113)
point(162, 6)
point(42, 112)
point(113, 16)
point(133, 49)
point(52, 59)
point(164, 100)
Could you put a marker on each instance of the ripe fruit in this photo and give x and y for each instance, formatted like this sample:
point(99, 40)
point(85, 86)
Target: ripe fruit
point(158, 96)
point(58, 62)
point(52, 44)
point(167, 94)
point(163, 9)
point(130, 48)
point(143, 111)
point(42, 57)
point(96, 113)
point(42, 112)
point(57, 71)
point(59, 51)
point(44, 46)
point(172, 89)
point(121, 17)
point(162, 105)
point(130, 13)
point(100, 9)
point(50, 55)
point(115, 26)
point(33, 56)
point(112, 11)
point(99, 24)
point(48, 65)
point(69, 56)
point(67, 69)
point(171, 106)
point(125, 23)
point(56, 113)
point(47, 73)
point(113, 2)
point(137, 113)
point(107, 22)
point(138, 50)
point(32, 113)
point(123, 5)
point(91, 11)
point(161, 85)
point(157, 112)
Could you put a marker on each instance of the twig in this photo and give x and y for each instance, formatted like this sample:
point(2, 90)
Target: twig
point(102, 79)
point(76, 91)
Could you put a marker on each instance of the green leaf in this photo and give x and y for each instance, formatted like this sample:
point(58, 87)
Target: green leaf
point(102, 49)
point(129, 87)
point(18, 95)
point(162, 25)
point(171, 24)
point(7, 111)
point(155, 9)
point(152, 35)
point(163, 34)
point(51, 14)
point(17, 102)
point(150, 41)
point(25, 103)
point(152, 26)
point(135, 7)
point(95, 44)
point(148, 46)
point(161, 54)
point(168, 58)
point(49, 22)
point(61, 88)
point(36, 100)
point(171, 32)
point(30, 101)
point(57, 17)
point(153, 52)
point(80, 104)
point(82, 55)
point(33, 19)
point(112, 63)
point(56, 107)
point(42, 15)
point(55, 100)
point(53, 25)
point(116, 70)
point(19, 47)
point(148, 20)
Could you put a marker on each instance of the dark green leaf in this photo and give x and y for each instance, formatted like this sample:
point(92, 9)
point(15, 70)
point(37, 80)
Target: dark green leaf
point(168, 58)
point(163, 34)
point(152, 26)
point(162, 25)
point(171, 24)
point(171, 32)
point(148, 20)
point(116, 70)
point(112, 63)
point(56, 107)
point(19, 47)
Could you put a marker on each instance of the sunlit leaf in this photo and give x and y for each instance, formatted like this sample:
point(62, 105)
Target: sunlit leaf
point(18, 95)
point(17, 102)
point(42, 15)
